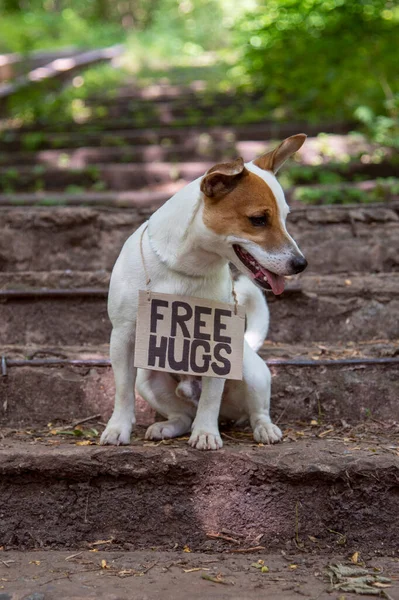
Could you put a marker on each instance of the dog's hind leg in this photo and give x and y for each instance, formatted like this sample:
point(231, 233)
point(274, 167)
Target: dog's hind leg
point(257, 389)
point(159, 390)
point(120, 424)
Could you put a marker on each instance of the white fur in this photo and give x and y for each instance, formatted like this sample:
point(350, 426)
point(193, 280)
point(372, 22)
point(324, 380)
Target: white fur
point(184, 257)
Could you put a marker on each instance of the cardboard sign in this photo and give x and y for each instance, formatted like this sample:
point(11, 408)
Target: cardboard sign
point(189, 336)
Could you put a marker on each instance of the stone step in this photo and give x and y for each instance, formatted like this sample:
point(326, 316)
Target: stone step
point(16, 139)
point(39, 307)
point(361, 237)
point(111, 176)
point(314, 381)
point(142, 574)
point(317, 151)
point(337, 490)
point(135, 176)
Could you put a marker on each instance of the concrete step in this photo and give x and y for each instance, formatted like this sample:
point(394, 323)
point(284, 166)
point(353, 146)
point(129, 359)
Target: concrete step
point(339, 489)
point(326, 382)
point(39, 307)
point(334, 238)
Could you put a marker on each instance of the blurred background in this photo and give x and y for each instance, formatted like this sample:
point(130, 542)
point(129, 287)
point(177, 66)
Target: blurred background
point(321, 66)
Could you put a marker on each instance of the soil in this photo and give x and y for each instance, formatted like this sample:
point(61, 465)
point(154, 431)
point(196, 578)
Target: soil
point(100, 574)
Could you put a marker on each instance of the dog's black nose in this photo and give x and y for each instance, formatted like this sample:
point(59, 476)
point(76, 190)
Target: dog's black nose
point(298, 264)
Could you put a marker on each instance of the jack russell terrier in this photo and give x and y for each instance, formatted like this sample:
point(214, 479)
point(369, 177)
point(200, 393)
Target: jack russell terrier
point(235, 214)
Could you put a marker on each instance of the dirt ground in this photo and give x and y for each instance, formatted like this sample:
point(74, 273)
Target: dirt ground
point(178, 575)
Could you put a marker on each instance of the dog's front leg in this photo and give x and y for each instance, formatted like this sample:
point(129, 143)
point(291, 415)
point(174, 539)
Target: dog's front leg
point(120, 424)
point(205, 430)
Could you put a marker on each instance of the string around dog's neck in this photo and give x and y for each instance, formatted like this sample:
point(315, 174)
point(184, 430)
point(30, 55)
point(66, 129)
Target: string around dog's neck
point(148, 278)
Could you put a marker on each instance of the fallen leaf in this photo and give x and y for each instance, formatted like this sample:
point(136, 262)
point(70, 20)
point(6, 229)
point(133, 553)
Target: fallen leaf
point(355, 558)
point(293, 567)
point(186, 549)
point(34, 562)
point(104, 564)
point(356, 579)
point(381, 585)
point(312, 538)
point(85, 443)
point(313, 423)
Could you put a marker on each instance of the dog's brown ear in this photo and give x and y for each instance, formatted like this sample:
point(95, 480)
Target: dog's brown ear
point(222, 178)
point(272, 161)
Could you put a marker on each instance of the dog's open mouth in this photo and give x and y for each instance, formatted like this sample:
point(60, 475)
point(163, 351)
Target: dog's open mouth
point(263, 277)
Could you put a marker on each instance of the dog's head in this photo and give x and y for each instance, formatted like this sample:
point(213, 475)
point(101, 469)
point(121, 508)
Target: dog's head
point(244, 205)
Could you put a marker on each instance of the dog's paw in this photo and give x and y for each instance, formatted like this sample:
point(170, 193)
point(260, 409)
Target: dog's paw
point(168, 429)
point(202, 440)
point(116, 433)
point(267, 433)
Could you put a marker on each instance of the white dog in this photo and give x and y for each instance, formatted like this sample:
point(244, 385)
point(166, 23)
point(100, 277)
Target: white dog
point(235, 213)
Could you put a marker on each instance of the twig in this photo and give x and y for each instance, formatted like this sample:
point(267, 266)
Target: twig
point(87, 506)
point(214, 579)
point(5, 562)
point(254, 549)
point(150, 567)
point(233, 439)
point(298, 542)
point(74, 555)
point(220, 536)
point(101, 542)
point(281, 415)
point(68, 575)
point(81, 421)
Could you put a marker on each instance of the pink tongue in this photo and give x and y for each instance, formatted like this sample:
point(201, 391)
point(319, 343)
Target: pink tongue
point(277, 282)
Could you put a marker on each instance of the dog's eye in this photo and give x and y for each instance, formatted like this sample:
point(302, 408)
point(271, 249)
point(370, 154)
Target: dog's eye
point(259, 221)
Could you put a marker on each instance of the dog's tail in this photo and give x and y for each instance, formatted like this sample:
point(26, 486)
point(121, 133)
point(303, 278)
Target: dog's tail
point(256, 309)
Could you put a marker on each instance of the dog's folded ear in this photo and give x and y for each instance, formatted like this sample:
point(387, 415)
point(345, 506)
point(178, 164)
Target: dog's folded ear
point(272, 161)
point(222, 178)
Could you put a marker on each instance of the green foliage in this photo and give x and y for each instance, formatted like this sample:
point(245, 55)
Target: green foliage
point(46, 30)
point(384, 190)
point(320, 58)
point(383, 129)
point(43, 102)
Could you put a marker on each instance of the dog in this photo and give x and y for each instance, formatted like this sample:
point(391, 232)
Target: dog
point(235, 213)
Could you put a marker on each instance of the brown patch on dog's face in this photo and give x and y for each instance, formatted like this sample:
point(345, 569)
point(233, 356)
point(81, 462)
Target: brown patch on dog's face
point(247, 210)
